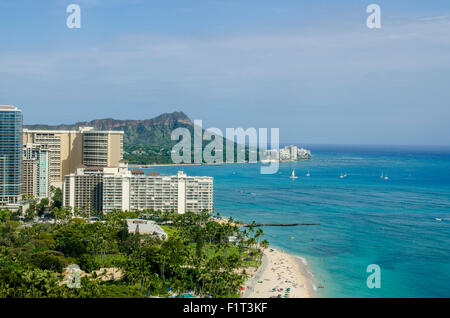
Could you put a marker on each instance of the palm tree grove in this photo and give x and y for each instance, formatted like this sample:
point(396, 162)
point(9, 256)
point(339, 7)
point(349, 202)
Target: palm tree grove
point(196, 258)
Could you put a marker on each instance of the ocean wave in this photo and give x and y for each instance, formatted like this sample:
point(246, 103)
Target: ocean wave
point(302, 259)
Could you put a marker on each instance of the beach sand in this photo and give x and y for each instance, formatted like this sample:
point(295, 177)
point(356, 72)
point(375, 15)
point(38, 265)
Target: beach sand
point(280, 274)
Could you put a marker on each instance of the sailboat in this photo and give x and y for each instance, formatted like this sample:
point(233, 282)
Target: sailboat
point(308, 174)
point(382, 175)
point(293, 176)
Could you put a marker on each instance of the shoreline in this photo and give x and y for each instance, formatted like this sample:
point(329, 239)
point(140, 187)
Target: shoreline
point(135, 165)
point(280, 274)
point(186, 164)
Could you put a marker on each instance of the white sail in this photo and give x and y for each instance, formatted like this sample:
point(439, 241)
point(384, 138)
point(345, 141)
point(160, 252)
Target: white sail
point(293, 176)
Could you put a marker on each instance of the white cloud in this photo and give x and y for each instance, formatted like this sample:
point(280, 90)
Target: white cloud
point(357, 75)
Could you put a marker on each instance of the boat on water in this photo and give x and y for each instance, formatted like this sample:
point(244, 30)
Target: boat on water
point(438, 219)
point(293, 176)
point(308, 174)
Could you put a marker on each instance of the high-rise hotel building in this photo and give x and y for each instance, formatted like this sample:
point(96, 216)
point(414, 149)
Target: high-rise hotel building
point(70, 149)
point(102, 148)
point(10, 155)
point(36, 171)
point(108, 189)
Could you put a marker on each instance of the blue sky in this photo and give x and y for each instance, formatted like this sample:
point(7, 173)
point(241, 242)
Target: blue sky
point(311, 68)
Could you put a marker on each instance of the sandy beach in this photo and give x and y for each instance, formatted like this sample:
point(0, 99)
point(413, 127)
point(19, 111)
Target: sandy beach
point(281, 275)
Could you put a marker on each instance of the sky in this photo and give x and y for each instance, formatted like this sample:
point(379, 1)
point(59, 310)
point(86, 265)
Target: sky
point(313, 69)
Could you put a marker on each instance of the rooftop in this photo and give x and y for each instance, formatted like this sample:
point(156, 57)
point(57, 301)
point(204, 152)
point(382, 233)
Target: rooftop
point(145, 227)
point(94, 168)
point(8, 107)
point(83, 130)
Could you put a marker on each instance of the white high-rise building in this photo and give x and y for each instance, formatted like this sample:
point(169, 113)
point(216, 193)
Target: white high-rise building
point(285, 154)
point(108, 189)
point(293, 153)
point(35, 163)
point(303, 154)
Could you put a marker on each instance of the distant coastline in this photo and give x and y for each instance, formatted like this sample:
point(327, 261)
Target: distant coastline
point(133, 165)
point(136, 165)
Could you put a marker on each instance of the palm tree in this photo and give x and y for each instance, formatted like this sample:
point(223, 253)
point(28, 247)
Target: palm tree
point(259, 233)
point(265, 244)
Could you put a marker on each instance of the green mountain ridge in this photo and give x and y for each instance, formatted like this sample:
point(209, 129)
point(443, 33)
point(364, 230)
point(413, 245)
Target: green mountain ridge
point(145, 141)
point(149, 131)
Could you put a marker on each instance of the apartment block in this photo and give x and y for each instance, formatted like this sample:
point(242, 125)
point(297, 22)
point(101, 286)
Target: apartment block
point(109, 189)
point(285, 154)
point(83, 190)
point(30, 176)
point(293, 153)
point(35, 162)
point(69, 149)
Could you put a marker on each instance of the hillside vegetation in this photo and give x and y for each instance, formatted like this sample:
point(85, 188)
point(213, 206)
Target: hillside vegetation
point(146, 141)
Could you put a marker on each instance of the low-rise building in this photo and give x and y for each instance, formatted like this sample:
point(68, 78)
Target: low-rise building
point(145, 227)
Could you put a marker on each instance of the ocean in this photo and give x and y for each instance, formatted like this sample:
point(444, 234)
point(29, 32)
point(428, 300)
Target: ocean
point(401, 224)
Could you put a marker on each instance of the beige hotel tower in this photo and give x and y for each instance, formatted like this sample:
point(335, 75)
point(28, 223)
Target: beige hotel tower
point(70, 149)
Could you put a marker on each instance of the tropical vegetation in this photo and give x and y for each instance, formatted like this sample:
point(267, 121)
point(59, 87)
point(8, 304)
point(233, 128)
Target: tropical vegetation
point(198, 257)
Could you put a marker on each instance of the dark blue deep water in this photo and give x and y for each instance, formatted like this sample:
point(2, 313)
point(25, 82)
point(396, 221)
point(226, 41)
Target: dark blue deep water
point(364, 219)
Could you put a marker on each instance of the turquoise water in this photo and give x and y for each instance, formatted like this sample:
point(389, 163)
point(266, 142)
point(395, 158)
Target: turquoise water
point(364, 219)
